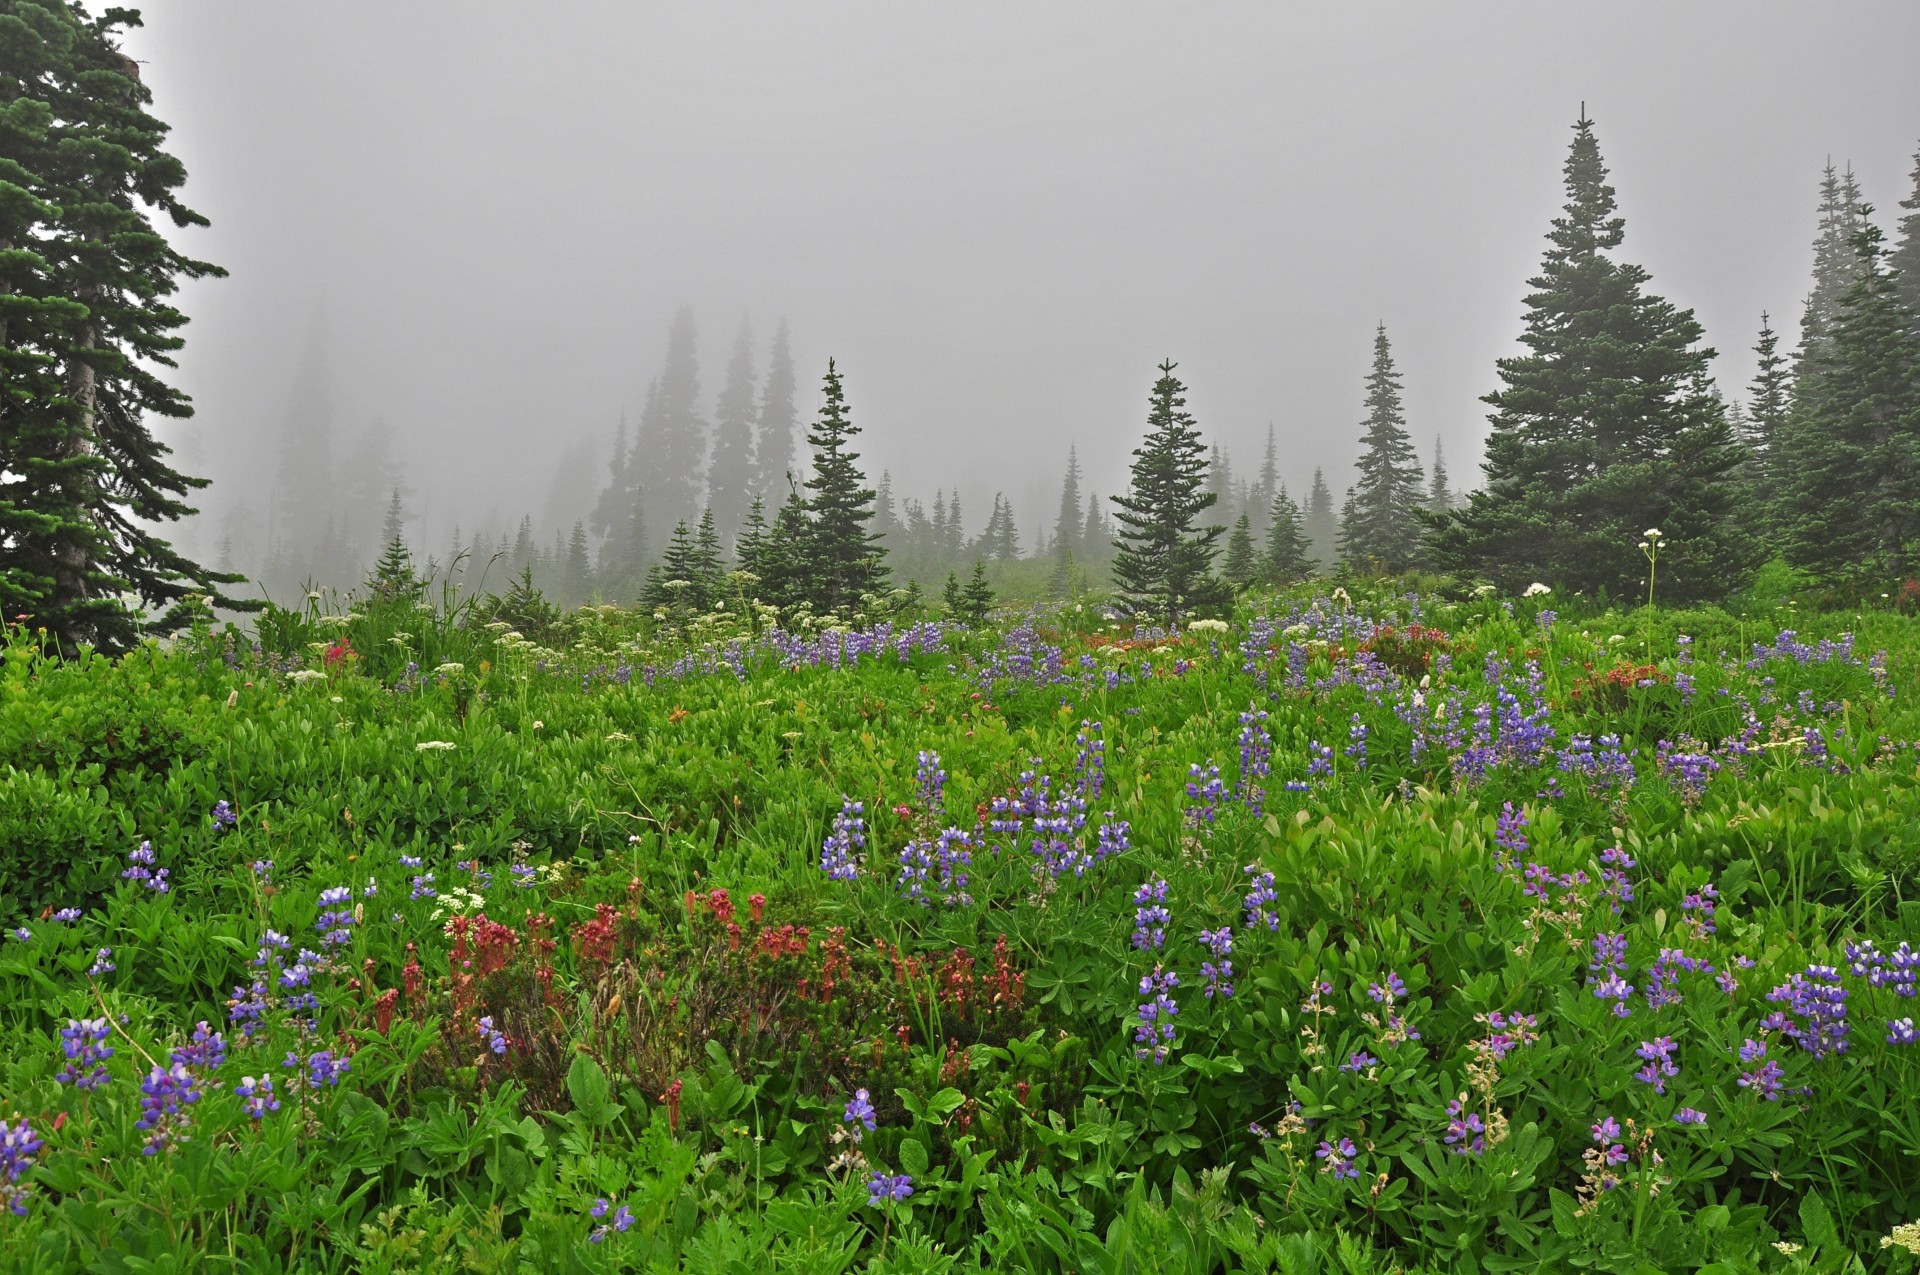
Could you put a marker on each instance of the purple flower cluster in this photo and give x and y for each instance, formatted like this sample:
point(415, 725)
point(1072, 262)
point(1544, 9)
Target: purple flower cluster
point(1339, 1158)
point(887, 1188)
point(1604, 763)
point(1663, 976)
point(335, 925)
point(1466, 1131)
point(323, 1068)
point(937, 869)
point(620, 1221)
point(102, 963)
point(256, 1096)
point(165, 1096)
point(1357, 742)
point(1150, 915)
point(223, 816)
point(1688, 772)
point(839, 854)
point(931, 781)
point(1764, 1078)
point(84, 1042)
point(859, 1115)
point(1816, 997)
point(1697, 910)
point(1205, 792)
point(1219, 971)
point(1256, 759)
point(1657, 1054)
point(1510, 834)
point(140, 868)
point(1606, 972)
point(1090, 765)
point(1319, 758)
point(1615, 863)
point(1897, 971)
point(1053, 826)
point(19, 1144)
point(490, 1037)
point(1153, 1038)
point(1260, 893)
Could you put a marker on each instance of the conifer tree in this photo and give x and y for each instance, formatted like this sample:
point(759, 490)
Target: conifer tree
point(1241, 567)
point(1380, 526)
point(732, 475)
point(953, 597)
point(1096, 538)
point(1607, 426)
point(956, 541)
point(1067, 522)
point(885, 523)
point(1000, 540)
point(1165, 562)
point(843, 564)
point(1771, 393)
point(579, 573)
point(613, 509)
point(1220, 480)
point(1903, 263)
point(671, 446)
point(523, 547)
point(976, 600)
point(87, 328)
point(1266, 486)
point(1834, 260)
point(1850, 456)
point(751, 543)
point(709, 561)
point(298, 528)
point(393, 578)
point(773, 444)
point(673, 583)
point(1320, 526)
point(1439, 494)
point(1287, 561)
point(394, 525)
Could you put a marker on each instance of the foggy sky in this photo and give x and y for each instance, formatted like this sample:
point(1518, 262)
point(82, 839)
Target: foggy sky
point(997, 218)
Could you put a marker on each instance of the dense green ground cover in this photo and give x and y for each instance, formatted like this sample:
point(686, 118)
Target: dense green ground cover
point(1496, 940)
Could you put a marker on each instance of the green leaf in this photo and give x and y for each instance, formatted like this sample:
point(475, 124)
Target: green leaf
point(913, 1158)
point(1816, 1223)
point(587, 1086)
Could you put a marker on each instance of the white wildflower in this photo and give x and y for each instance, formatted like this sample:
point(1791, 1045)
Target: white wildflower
point(306, 675)
point(433, 746)
point(1536, 590)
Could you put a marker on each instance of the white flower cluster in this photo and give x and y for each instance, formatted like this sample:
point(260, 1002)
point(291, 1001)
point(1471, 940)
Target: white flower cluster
point(433, 746)
point(1207, 626)
point(459, 901)
point(306, 675)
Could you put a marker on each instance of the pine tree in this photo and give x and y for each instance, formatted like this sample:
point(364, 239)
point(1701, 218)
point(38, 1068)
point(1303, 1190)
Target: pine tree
point(1903, 263)
point(1772, 395)
point(773, 450)
point(671, 445)
point(732, 475)
point(1380, 527)
point(1165, 562)
point(1266, 486)
point(1850, 455)
point(1439, 494)
point(843, 562)
point(1320, 526)
point(976, 600)
point(87, 326)
point(1608, 426)
point(1287, 544)
point(1834, 260)
point(1240, 567)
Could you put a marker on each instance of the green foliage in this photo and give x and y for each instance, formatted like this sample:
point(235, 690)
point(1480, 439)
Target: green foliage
point(1165, 563)
point(1380, 527)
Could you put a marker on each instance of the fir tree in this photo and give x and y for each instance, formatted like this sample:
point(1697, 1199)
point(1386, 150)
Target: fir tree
point(1439, 494)
point(1772, 395)
point(298, 520)
point(1096, 538)
point(732, 476)
point(394, 525)
point(579, 570)
point(523, 548)
point(773, 450)
point(1067, 522)
point(612, 511)
point(1165, 562)
point(709, 561)
point(1000, 540)
point(953, 597)
point(671, 446)
point(751, 543)
point(673, 583)
point(1851, 453)
point(1240, 567)
point(1380, 526)
point(1266, 486)
point(393, 577)
point(1319, 522)
point(1607, 427)
point(885, 524)
point(1903, 264)
point(1220, 480)
point(842, 562)
point(976, 600)
point(1287, 544)
point(1834, 261)
point(781, 563)
point(88, 327)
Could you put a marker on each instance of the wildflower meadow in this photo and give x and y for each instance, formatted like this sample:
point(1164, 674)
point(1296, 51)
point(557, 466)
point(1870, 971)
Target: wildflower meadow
point(1369, 932)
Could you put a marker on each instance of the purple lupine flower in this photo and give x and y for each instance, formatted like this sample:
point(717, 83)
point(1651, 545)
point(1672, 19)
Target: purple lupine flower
point(887, 1188)
point(411, 860)
point(1339, 1158)
point(1764, 1079)
point(1509, 833)
point(859, 1114)
point(102, 963)
point(1606, 1129)
point(1394, 990)
point(492, 1039)
point(1466, 1131)
point(1816, 996)
point(66, 916)
point(1357, 742)
point(1153, 1037)
point(1900, 1031)
point(1359, 1061)
point(525, 876)
point(84, 1042)
point(1259, 894)
point(19, 1144)
point(423, 887)
point(1116, 837)
point(839, 854)
point(1687, 1115)
point(323, 1068)
point(140, 868)
point(1319, 758)
point(937, 868)
point(1090, 766)
point(1256, 759)
point(1205, 791)
point(1219, 971)
point(207, 1049)
point(1663, 977)
point(1658, 1056)
point(931, 781)
point(22, 934)
point(1614, 882)
point(165, 1095)
point(336, 921)
point(620, 1221)
point(1150, 915)
point(223, 816)
point(1697, 910)
point(257, 1096)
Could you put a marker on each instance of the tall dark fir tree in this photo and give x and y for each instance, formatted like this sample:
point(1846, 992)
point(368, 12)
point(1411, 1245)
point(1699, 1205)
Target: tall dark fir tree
point(1439, 493)
point(1770, 395)
point(1380, 526)
point(731, 475)
point(1904, 261)
point(1834, 261)
point(843, 562)
point(1287, 561)
point(1164, 566)
point(1321, 528)
point(1608, 426)
point(87, 327)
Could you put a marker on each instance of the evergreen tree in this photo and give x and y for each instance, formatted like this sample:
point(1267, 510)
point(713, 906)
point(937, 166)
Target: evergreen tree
point(298, 520)
point(523, 548)
point(1834, 261)
point(1096, 538)
point(1851, 451)
point(579, 571)
point(885, 524)
point(773, 452)
point(843, 563)
point(87, 327)
point(1608, 426)
point(752, 541)
point(1240, 567)
point(1320, 525)
point(956, 541)
point(953, 597)
point(1904, 262)
point(614, 508)
point(1220, 480)
point(394, 525)
point(1067, 523)
point(1001, 538)
point(709, 561)
point(393, 577)
point(1287, 561)
point(976, 601)
point(1772, 395)
point(671, 446)
point(1165, 562)
point(1266, 486)
point(1380, 527)
point(1439, 494)
point(673, 583)
point(732, 476)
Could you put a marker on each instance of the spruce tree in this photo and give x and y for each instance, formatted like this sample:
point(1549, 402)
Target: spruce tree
point(1850, 456)
point(1772, 395)
point(709, 561)
point(1220, 480)
point(1834, 260)
point(1000, 540)
point(1288, 561)
point(953, 597)
point(393, 577)
point(1266, 486)
point(1903, 263)
point(1241, 568)
point(1165, 562)
point(1320, 526)
point(88, 327)
point(773, 443)
point(731, 475)
point(1067, 522)
point(843, 564)
point(1607, 427)
point(1439, 494)
point(673, 583)
point(1096, 538)
point(751, 543)
point(976, 600)
point(1380, 526)
point(671, 446)
point(579, 573)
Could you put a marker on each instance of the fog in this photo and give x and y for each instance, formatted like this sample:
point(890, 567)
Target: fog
point(481, 218)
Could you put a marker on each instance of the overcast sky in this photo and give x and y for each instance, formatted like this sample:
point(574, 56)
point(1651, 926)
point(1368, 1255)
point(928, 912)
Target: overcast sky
point(997, 218)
